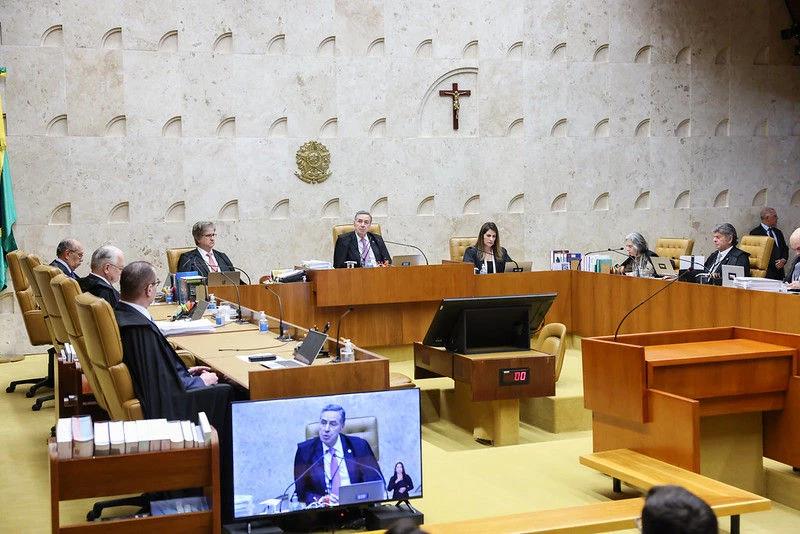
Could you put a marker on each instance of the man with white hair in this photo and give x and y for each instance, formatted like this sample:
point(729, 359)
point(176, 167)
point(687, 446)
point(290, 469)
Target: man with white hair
point(780, 252)
point(107, 264)
point(793, 275)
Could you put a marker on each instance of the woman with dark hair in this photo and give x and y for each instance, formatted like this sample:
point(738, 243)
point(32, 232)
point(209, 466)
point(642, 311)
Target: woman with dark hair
point(487, 255)
point(725, 241)
point(400, 483)
point(638, 262)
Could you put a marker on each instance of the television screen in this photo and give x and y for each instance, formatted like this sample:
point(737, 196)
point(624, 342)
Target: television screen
point(291, 455)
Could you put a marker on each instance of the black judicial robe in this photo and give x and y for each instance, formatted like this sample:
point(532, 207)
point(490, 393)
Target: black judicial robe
point(346, 249)
point(152, 363)
point(193, 261)
point(99, 288)
point(779, 252)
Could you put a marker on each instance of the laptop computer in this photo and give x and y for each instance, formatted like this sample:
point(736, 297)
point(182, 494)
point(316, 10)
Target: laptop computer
point(304, 354)
point(228, 278)
point(363, 492)
point(663, 266)
point(729, 274)
point(407, 261)
point(199, 309)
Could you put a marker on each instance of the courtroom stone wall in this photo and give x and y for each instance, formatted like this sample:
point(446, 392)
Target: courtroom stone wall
point(128, 121)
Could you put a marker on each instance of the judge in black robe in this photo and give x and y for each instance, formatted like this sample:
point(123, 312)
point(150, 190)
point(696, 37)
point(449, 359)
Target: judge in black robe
point(205, 237)
point(99, 287)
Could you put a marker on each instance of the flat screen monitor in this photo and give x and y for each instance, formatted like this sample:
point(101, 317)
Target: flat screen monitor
point(281, 459)
point(473, 325)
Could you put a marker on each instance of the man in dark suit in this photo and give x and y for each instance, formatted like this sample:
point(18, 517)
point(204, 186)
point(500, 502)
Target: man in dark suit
point(725, 240)
point(161, 381)
point(107, 265)
point(793, 273)
point(325, 463)
point(204, 258)
point(780, 252)
point(69, 256)
point(361, 246)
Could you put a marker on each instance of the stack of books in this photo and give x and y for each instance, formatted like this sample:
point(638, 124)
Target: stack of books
point(79, 437)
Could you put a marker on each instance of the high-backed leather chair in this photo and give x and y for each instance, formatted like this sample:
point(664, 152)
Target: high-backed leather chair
point(32, 316)
point(65, 291)
point(458, 245)
point(173, 255)
point(340, 229)
point(365, 428)
point(674, 248)
point(551, 340)
point(760, 249)
point(104, 350)
point(30, 262)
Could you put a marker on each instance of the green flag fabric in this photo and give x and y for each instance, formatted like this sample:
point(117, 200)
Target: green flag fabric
point(8, 213)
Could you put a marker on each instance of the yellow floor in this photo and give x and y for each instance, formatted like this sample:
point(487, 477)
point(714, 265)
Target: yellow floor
point(462, 478)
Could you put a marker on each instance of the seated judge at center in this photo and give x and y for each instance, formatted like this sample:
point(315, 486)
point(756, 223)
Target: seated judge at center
point(360, 246)
point(725, 241)
point(163, 384)
point(107, 265)
point(331, 460)
point(638, 262)
point(486, 254)
point(204, 258)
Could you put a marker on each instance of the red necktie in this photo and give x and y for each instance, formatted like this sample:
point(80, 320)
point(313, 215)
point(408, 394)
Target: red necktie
point(212, 262)
point(333, 467)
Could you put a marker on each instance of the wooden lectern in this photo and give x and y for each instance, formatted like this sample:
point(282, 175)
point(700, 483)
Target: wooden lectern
point(673, 395)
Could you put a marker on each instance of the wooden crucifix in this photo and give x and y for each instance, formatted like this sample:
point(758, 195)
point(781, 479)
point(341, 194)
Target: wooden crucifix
point(455, 94)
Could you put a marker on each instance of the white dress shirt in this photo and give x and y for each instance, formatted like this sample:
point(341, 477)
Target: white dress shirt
point(204, 255)
point(344, 476)
point(140, 309)
point(720, 257)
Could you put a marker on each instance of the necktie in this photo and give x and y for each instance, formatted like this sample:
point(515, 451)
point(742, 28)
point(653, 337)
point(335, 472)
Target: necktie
point(212, 262)
point(365, 248)
point(333, 467)
point(771, 233)
point(716, 263)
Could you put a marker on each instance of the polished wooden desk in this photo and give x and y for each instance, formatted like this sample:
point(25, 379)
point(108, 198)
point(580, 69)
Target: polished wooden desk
point(222, 351)
point(478, 403)
point(650, 392)
point(389, 309)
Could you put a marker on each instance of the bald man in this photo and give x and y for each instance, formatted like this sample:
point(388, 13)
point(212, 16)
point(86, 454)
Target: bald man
point(793, 274)
point(69, 256)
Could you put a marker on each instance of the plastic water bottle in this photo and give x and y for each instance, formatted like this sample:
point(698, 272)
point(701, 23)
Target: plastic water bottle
point(346, 354)
point(263, 326)
point(212, 302)
point(220, 317)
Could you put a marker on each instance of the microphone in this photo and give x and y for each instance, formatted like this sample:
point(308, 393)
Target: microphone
point(281, 333)
point(410, 246)
point(283, 496)
point(238, 297)
point(617, 250)
point(339, 327)
point(516, 269)
point(249, 281)
point(616, 332)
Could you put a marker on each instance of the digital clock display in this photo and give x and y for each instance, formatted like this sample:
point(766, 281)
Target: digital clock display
point(515, 376)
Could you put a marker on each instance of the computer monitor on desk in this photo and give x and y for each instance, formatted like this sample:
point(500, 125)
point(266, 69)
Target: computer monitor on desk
point(285, 454)
point(475, 325)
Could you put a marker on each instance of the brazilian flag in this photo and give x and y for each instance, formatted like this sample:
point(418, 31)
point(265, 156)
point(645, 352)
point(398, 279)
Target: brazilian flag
point(8, 214)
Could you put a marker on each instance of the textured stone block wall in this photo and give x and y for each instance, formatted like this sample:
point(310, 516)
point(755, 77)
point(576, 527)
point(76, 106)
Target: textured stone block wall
point(127, 121)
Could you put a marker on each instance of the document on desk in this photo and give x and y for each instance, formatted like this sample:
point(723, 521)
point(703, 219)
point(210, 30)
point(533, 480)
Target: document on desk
point(174, 328)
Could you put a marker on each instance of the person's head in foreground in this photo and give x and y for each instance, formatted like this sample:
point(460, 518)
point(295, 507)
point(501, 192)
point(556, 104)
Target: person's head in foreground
point(674, 510)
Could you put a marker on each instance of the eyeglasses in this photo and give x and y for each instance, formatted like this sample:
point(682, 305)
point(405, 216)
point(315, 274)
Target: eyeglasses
point(79, 253)
point(115, 266)
point(209, 235)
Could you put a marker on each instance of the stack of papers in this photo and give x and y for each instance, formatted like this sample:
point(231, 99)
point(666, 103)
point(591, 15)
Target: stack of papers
point(317, 264)
point(760, 284)
point(174, 328)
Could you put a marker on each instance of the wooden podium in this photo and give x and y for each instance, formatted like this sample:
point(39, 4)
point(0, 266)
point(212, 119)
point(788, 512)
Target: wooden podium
point(480, 402)
point(675, 395)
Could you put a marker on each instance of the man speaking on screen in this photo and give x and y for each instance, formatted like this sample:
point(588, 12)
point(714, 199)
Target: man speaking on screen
point(331, 460)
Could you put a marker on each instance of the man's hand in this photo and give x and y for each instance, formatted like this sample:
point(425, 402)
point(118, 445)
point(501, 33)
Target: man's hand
point(198, 370)
point(328, 500)
point(209, 379)
point(794, 285)
point(780, 263)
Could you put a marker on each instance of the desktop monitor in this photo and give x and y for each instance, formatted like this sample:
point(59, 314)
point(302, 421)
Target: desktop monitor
point(279, 453)
point(474, 325)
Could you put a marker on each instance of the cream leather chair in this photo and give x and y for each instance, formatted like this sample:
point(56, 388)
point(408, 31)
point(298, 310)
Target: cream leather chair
point(173, 255)
point(104, 350)
point(674, 248)
point(32, 316)
point(551, 340)
point(760, 249)
point(458, 245)
point(30, 262)
point(340, 229)
point(365, 428)
point(65, 291)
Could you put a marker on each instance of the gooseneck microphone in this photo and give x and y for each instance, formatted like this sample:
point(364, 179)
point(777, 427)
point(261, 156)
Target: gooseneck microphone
point(238, 296)
point(409, 246)
point(285, 496)
point(249, 281)
point(339, 328)
point(281, 332)
point(616, 250)
point(371, 468)
point(616, 332)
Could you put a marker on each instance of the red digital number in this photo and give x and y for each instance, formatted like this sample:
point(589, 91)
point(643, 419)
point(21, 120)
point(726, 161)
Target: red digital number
point(523, 375)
